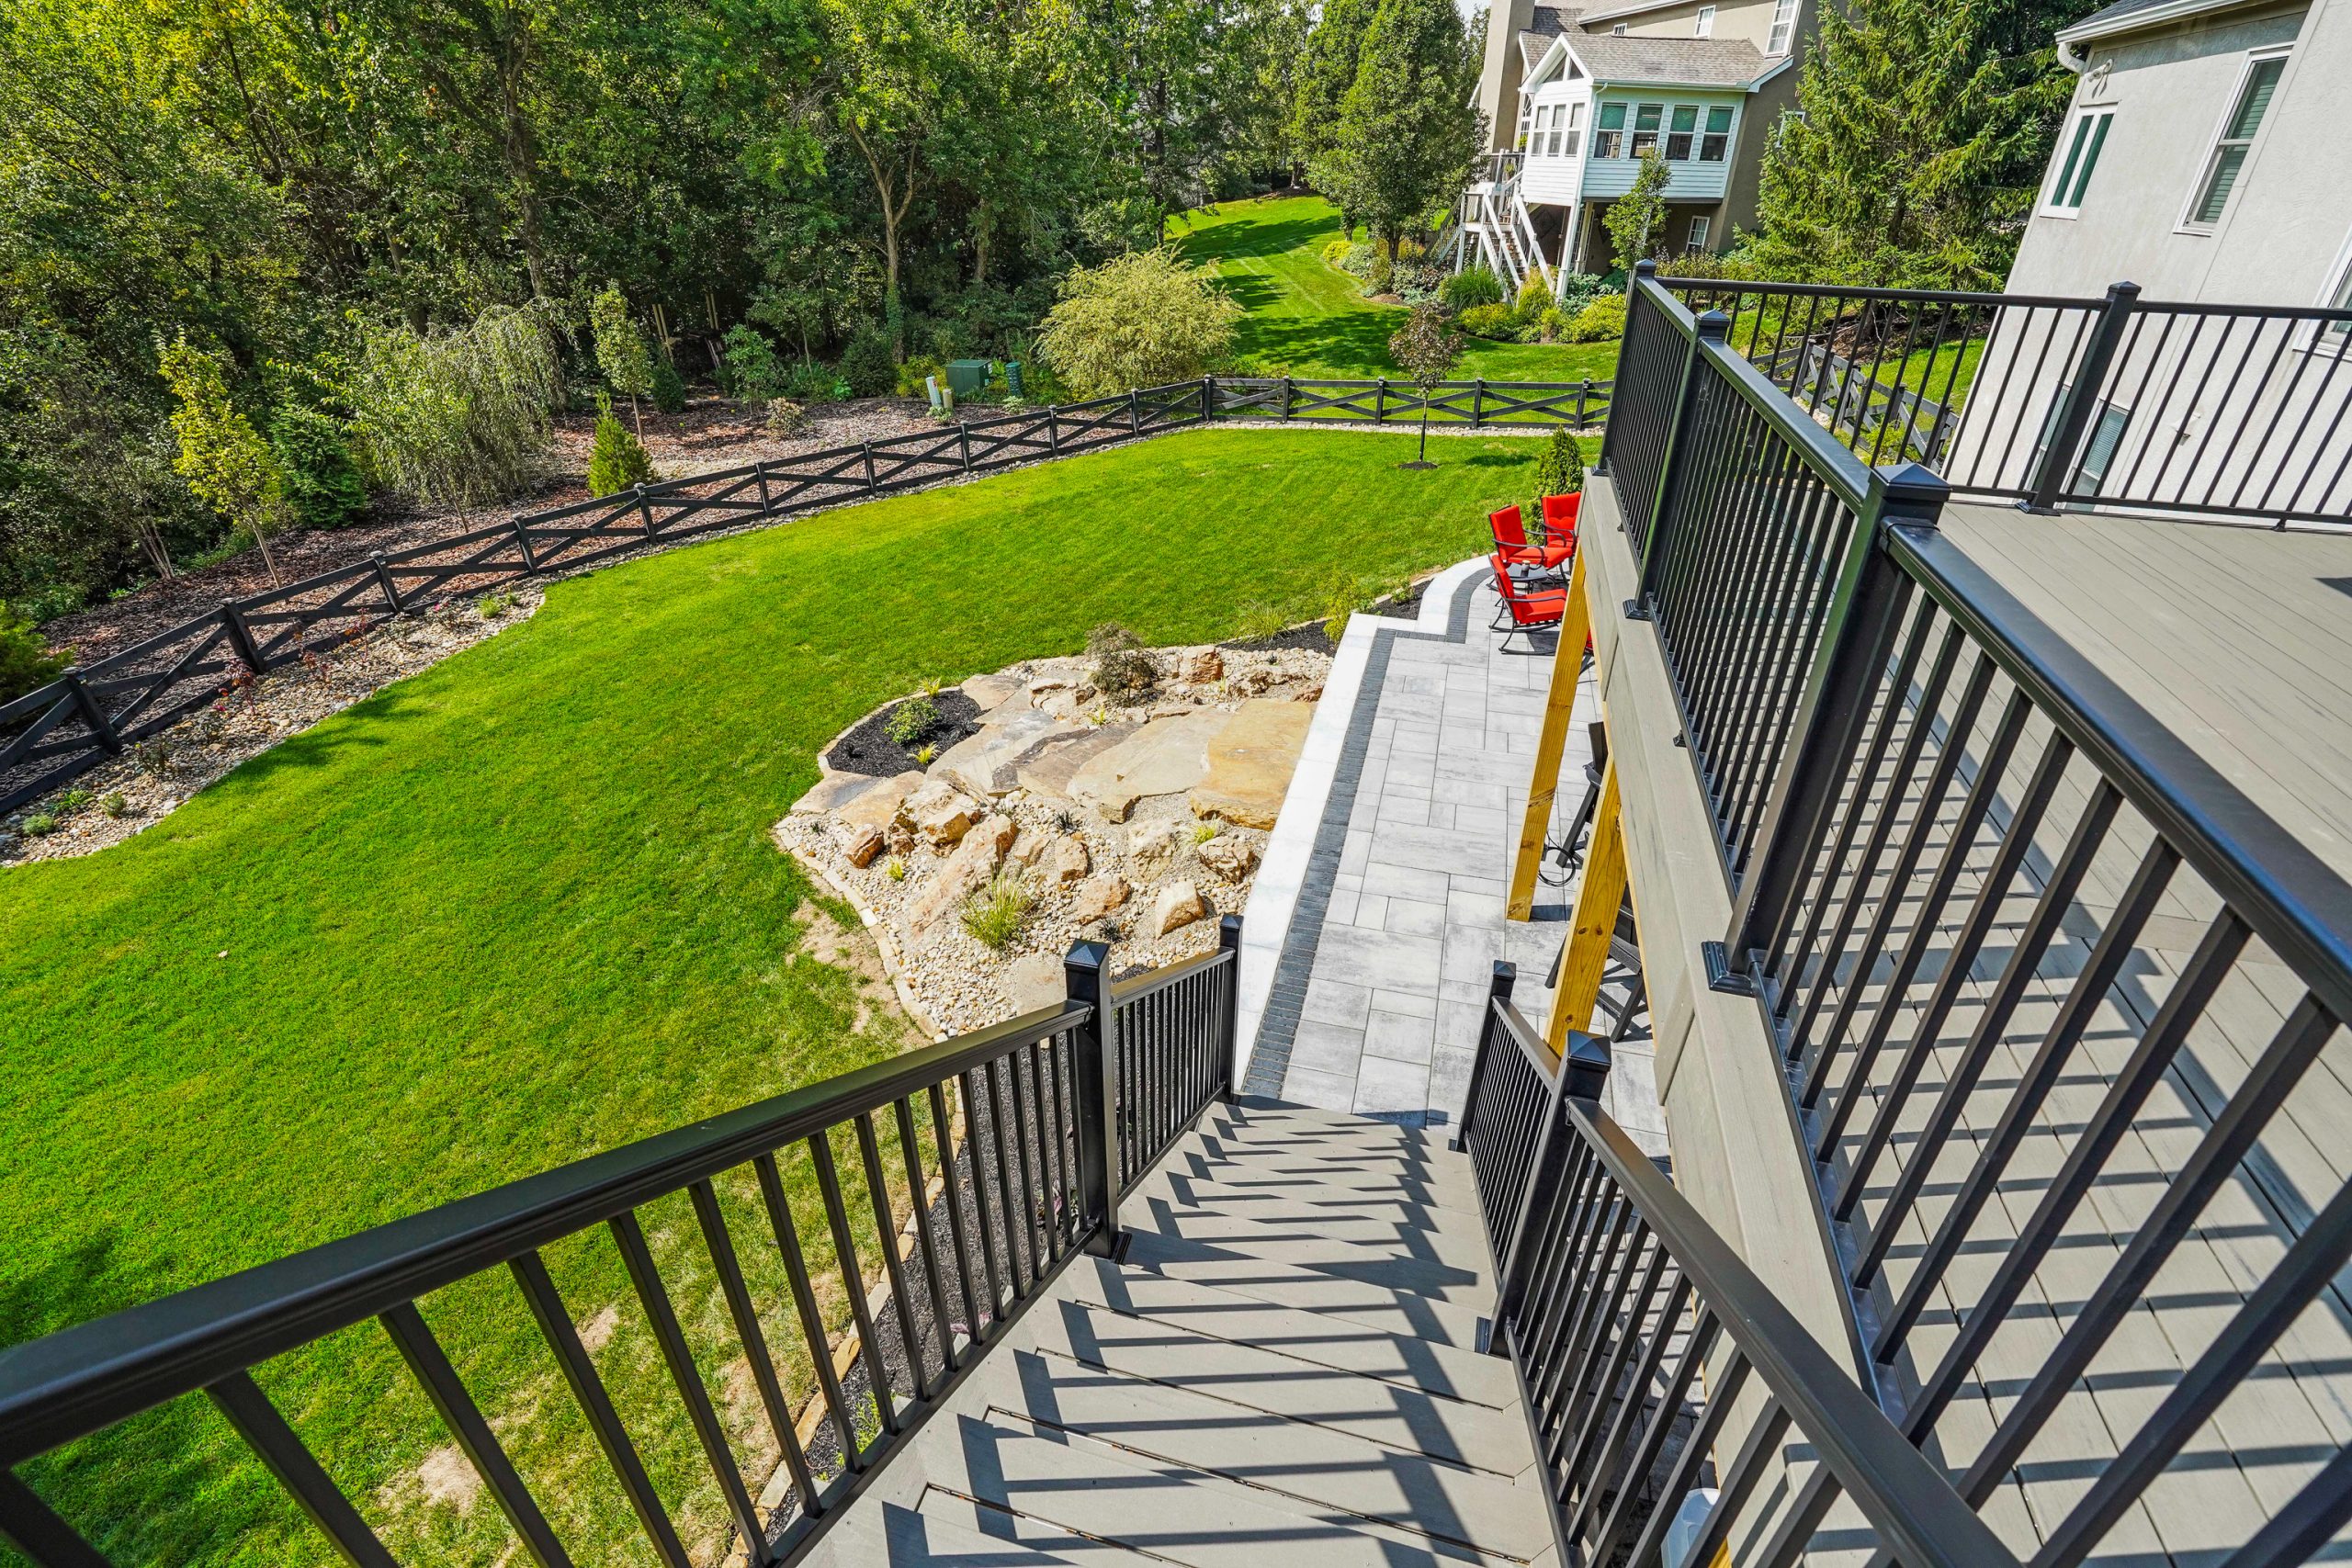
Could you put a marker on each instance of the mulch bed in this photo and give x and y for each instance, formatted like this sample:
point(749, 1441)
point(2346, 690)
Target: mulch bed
point(867, 748)
point(711, 433)
point(1314, 635)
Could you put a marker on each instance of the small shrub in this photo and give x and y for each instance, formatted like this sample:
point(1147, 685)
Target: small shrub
point(1418, 283)
point(1559, 467)
point(71, 801)
point(813, 383)
point(25, 659)
point(156, 757)
point(910, 720)
point(459, 418)
point(1358, 258)
point(1143, 320)
point(1334, 252)
point(1121, 668)
point(1473, 286)
point(619, 459)
point(668, 386)
point(1600, 320)
point(1498, 321)
point(926, 754)
point(895, 869)
point(322, 484)
point(1576, 291)
point(786, 417)
point(914, 372)
point(748, 362)
point(1260, 621)
point(996, 913)
point(41, 824)
point(490, 606)
point(1203, 832)
point(115, 804)
point(1378, 276)
point(866, 364)
point(1534, 297)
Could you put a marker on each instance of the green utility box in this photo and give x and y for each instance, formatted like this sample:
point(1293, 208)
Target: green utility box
point(1013, 376)
point(967, 377)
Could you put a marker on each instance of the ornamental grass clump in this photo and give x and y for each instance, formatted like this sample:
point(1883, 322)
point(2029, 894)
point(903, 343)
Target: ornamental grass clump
point(996, 913)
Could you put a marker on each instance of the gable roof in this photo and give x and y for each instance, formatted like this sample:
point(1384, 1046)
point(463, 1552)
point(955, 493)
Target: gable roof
point(1545, 24)
point(1675, 62)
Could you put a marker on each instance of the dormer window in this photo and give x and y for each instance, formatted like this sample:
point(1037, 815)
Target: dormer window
point(1617, 31)
point(1703, 25)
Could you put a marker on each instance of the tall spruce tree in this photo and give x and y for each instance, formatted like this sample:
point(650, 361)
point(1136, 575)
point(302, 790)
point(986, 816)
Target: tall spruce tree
point(1408, 130)
point(1333, 51)
point(1924, 130)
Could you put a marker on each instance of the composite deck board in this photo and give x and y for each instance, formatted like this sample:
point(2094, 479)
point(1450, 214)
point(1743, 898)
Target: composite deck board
point(1280, 1366)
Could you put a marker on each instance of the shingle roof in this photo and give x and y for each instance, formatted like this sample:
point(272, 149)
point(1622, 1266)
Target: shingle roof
point(1689, 61)
point(1546, 23)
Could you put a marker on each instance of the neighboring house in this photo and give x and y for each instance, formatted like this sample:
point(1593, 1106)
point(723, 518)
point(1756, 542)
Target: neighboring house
point(2204, 160)
point(1574, 98)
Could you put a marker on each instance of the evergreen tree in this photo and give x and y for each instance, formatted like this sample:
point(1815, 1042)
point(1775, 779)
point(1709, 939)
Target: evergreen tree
point(1333, 51)
point(1924, 130)
point(1632, 217)
point(1559, 467)
point(619, 459)
point(226, 463)
point(1408, 130)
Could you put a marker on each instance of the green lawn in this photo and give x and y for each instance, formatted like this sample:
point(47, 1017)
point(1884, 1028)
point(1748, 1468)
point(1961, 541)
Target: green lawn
point(1307, 318)
point(523, 907)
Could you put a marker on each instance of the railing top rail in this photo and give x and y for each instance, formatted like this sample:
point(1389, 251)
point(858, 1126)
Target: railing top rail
point(1168, 974)
point(1822, 451)
point(1908, 1500)
point(1843, 291)
point(2298, 905)
point(84, 1378)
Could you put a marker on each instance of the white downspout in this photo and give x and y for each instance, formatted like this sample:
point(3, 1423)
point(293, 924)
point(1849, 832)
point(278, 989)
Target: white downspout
point(2070, 60)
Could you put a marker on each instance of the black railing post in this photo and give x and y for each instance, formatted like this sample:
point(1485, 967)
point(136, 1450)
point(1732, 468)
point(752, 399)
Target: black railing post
point(241, 638)
point(92, 714)
point(2057, 464)
point(1712, 328)
point(645, 510)
point(1498, 989)
point(1858, 636)
point(1095, 1060)
point(1584, 1071)
point(1228, 941)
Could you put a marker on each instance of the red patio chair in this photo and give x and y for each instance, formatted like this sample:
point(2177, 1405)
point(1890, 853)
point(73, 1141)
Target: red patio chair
point(1522, 610)
point(1560, 520)
point(1511, 542)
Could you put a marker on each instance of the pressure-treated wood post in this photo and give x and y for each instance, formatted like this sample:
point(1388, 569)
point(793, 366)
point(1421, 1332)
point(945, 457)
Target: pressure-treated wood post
point(1598, 900)
point(1543, 787)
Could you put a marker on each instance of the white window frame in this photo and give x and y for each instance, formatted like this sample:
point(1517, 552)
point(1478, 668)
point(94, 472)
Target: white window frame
point(1575, 130)
point(1703, 24)
point(1699, 225)
point(2332, 339)
point(1731, 123)
point(2208, 166)
point(1785, 25)
point(2063, 164)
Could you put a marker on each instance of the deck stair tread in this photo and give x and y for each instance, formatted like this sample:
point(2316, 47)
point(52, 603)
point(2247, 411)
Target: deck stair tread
point(1299, 1379)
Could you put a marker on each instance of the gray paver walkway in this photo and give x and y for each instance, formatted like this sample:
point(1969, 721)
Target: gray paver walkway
point(1380, 989)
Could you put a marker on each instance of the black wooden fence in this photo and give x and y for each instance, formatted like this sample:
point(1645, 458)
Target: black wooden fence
point(54, 734)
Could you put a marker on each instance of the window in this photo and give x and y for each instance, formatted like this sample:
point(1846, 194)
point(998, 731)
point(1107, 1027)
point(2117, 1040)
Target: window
point(1716, 142)
point(1617, 31)
point(2237, 137)
point(1526, 123)
point(1575, 131)
point(2099, 452)
point(1609, 131)
point(1704, 24)
point(1699, 227)
point(1535, 142)
point(1685, 131)
point(1784, 24)
point(2082, 144)
point(1559, 124)
point(2334, 336)
point(1646, 118)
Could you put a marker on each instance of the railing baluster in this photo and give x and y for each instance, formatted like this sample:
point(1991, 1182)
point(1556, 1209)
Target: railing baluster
point(958, 1223)
point(34, 1529)
point(911, 1157)
point(804, 1302)
point(985, 1211)
point(275, 1444)
point(869, 1342)
point(894, 1269)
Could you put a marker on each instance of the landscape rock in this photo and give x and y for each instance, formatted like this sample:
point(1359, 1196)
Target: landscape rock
point(1229, 855)
point(985, 764)
point(1070, 861)
point(1098, 895)
point(835, 792)
point(1029, 847)
point(940, 812)
point(1153, 851)
point(878, 806)
point(1178, 904)
point(1047, 767)
point(1167, 756)
point(860, 845)
point(1201, 666)
point(992, 691)
point(965, 872)
point(1035, 980)
point(1251, 761)
point(1046, 688)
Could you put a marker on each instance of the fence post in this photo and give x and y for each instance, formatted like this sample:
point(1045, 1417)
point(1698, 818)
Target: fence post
point(1208, 399)
point(1582, 387)
point(1477, 401)
point(760, 468)
point(1712, 328)
point(523, 537)
point(392, 590)
point(644, 510)
point(1229, 940)
point(1053, 430)
point(241, 637)
point(1498, 989)
point(1584, 1071)
point(964, 440)
point(1086, 980)
point(1134, 413)
point(2081, 400)
point(868, 449)
point(92, 714)
point(1380, 402)
point(1858, 636)
point(1285, 396)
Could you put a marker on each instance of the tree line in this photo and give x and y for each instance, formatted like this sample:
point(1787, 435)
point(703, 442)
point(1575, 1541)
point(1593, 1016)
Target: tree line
point(297, 234)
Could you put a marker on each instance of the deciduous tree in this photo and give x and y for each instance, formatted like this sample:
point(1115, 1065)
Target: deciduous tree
point(1409, 131)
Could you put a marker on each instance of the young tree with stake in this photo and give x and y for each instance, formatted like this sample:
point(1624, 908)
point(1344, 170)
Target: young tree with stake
point(1428, 348)
point(621, 352)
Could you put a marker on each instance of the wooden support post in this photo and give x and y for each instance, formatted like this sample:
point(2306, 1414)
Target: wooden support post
point(1567, 669)
point(1598, 900)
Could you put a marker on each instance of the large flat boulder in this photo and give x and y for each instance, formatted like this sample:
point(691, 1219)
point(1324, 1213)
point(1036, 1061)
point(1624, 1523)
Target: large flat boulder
point(1048, 766)
point(1167, 756)
point(877, 806)
point(835, 791)
point(1250, 760)
point(986, 764)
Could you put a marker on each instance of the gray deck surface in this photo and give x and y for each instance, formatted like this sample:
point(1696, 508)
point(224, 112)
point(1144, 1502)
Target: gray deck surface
point(2239, 640)
point(1282, 1370)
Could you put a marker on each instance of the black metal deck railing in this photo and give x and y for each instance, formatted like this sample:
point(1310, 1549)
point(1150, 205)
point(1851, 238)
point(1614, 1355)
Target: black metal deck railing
point(984, 1161)
point(1643, 1345)
point(2202, 410)
point(2049, 990)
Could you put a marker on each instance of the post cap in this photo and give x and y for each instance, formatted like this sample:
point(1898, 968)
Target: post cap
point(1646, 267)
point(1506, 975)
point(1586, 1063)
point(1713, 325)
point(1084, 970)
point(1909, 492)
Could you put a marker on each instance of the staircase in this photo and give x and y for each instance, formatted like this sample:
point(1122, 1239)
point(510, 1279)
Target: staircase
point(1281, 1365)
point(1491, 220)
